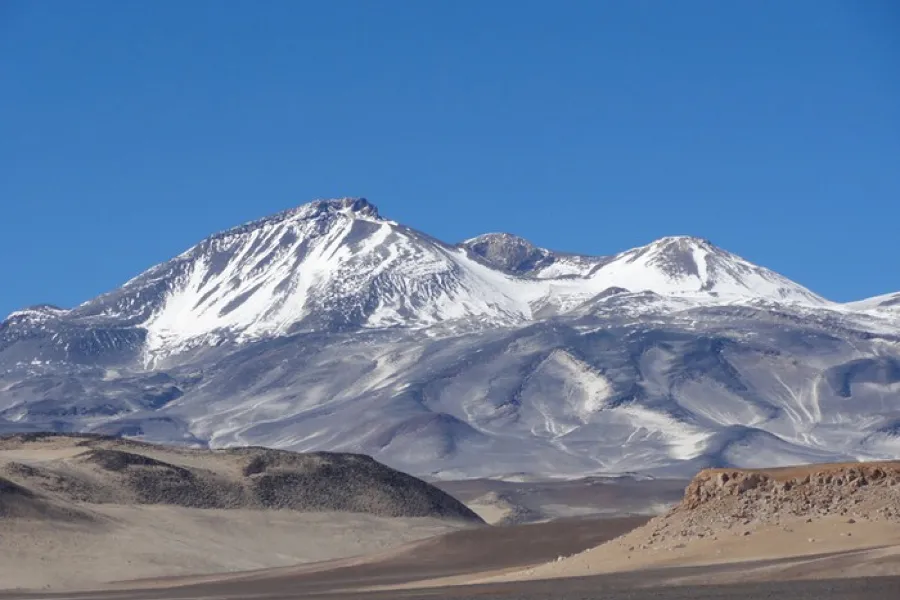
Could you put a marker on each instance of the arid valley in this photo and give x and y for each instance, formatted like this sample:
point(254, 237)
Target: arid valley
point(95, 517)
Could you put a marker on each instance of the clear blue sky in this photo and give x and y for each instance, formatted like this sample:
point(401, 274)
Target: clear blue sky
point(131, 130)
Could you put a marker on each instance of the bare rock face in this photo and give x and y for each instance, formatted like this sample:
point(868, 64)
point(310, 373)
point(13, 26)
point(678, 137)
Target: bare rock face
point(719, 500)
point(810, 490)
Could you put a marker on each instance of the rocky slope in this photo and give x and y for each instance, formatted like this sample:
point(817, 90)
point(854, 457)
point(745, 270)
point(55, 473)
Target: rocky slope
point(825, 520)
point(725, 500)
point(331, 327)
point(720, 504)
point(61, 476)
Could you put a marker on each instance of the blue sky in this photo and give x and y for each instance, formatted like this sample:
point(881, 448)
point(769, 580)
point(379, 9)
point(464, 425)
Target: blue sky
point(131, 130)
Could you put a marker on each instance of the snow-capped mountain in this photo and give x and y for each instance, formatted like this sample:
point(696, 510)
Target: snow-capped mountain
point(671, 266)
point(886, 302)
point(330, 327)
point(685, 266)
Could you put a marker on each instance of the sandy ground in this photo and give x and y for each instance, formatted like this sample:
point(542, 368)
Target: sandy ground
point(492, 514)
point(115, 539)
point(70, 522)
point(278, 554)
point(152, 541)
point(513, 502)
point(806, 522)
point(854, 543)
point(813, 521)
point(397, 573)
point(464, 551)
point(828, 549)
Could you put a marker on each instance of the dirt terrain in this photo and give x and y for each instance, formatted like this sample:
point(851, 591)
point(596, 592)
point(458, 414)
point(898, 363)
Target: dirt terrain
point(514, 502)
point(399, 573)
point(78, 512)
point(818, 521)
point(84, 510)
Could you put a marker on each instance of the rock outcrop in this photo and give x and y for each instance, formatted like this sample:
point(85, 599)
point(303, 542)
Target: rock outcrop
point(721, 501)
point(815, 521)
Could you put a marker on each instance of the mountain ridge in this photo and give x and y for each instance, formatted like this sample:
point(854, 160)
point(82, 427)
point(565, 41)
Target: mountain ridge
point(359, 207)
point(330, 327)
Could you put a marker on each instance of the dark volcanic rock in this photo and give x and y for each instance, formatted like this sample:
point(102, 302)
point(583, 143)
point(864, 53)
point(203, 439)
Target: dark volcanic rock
point(343, 482)
point(105, 469)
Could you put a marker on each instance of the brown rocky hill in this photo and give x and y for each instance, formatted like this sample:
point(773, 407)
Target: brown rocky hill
point(720, 502)
point(727, 497)
point(813, 521)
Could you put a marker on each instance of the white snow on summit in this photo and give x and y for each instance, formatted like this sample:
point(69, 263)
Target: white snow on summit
point(691, 267)
point(337, 263)
point(333, 260)
point(885, 302)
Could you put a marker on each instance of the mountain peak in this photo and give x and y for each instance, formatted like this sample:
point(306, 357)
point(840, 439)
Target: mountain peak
point(677, 256)
point(682, 240)
point(675, 245)
point(499, 236)
point(691, 265)
point(329, 327)
point(508, 252)
point(349, 206)
point(353, 207)
point(336, 264)
point(358, 206)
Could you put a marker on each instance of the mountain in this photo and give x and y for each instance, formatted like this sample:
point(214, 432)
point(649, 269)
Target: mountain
point(886, 302)
point(330, 327)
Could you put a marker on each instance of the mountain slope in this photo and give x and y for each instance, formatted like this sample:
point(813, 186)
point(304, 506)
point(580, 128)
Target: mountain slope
point(329, 265)
point(886, 302)
point(329, 327)
point(692, 267)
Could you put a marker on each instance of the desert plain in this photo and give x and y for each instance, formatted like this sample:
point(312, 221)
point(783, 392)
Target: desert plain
point(95, 517)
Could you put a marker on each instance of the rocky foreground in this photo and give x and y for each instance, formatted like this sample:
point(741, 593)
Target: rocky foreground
point(849, 512)
point(720, 502)
point(725, 500)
